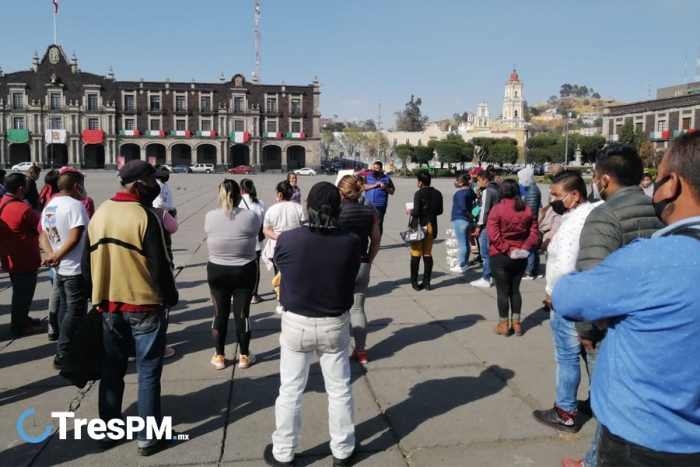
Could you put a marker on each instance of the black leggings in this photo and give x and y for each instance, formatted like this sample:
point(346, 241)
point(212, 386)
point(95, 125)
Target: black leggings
point(257, 275)
point(507, 273)
point(226, 282)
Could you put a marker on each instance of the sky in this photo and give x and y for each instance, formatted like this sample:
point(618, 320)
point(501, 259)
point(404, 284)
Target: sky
point(450, 53)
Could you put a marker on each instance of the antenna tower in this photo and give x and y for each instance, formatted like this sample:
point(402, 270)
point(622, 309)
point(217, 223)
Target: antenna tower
point(256, 22)
point(697, 68)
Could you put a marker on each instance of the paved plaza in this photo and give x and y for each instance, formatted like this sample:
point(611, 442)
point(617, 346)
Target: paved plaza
point(440, 388)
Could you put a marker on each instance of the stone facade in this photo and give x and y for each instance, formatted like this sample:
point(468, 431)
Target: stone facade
point(56, 114)
point(660, 119)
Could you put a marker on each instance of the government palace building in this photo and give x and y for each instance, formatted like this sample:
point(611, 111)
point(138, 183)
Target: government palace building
point(56, 115)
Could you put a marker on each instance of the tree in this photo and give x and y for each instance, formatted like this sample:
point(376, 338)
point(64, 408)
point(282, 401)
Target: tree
point(505, 151)
point(376, 143)
point(648, 154)
point(595, 95)
point(411, 118)
point(590, 145)
point(335, 127)
point(448, 152)
point(369, 125)
point(327, 143)
point(422, 154)
point(404, 152)
point(351, 140)
point(630, 136)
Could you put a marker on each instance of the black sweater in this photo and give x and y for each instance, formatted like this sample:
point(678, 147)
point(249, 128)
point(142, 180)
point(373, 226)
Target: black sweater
point(427, 205)
point(318, 271)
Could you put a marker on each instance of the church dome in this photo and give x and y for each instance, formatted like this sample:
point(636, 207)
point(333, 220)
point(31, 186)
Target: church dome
point(514, 76)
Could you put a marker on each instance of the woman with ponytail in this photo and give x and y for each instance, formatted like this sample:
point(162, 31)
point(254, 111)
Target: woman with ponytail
point(250, 201)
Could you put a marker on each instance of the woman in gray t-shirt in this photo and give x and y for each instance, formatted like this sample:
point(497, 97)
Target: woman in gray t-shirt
point(232, 270)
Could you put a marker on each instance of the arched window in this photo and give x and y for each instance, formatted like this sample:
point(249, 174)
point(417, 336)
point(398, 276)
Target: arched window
point(516, 114)
point(516, 94)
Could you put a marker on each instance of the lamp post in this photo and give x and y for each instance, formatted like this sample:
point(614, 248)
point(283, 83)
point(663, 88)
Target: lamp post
point(526, 137)
point(566, 147)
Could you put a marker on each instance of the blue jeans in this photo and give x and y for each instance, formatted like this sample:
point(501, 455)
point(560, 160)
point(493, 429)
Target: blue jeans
point(567, 350)
point(533, 262)
point(72, 308)
point(462, 233)
point(147, 329)
point(591, 458)
point(484, 247)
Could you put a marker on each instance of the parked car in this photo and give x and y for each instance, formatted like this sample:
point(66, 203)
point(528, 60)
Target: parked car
point(364, 172)
point(182, 169)
point(241, 169)
point(166, 167)
point(22, 167)
point(203, 168)
point(538, 169)
point(305, 171)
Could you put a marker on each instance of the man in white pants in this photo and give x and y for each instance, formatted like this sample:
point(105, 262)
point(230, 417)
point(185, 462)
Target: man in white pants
point(318, 263)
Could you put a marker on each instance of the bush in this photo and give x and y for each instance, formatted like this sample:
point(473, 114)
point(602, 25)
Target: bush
point(444, 173)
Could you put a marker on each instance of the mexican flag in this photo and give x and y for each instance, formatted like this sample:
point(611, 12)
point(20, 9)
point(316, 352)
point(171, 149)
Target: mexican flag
point(240, 136)
point(296, 135)
point(129, 133)
point(206, 134)
point(272, 135)
point(155, 133)
point(179, 133)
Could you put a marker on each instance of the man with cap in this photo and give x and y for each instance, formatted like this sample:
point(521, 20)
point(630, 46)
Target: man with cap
point(127, 265)
point(319, 263)
point(63, 224)
point(474, 173)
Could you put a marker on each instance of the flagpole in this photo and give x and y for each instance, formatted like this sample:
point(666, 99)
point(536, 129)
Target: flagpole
point(54, 27)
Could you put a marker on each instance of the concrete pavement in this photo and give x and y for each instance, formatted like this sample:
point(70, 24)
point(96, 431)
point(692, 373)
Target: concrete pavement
point(440, 388)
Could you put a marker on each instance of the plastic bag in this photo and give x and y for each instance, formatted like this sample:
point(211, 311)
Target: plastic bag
point(451, 243)
point(453, 252)
point(450, 233)
point(452, 262)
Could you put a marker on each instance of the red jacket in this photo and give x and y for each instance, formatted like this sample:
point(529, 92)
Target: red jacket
point(19, 239)
point(509, 230)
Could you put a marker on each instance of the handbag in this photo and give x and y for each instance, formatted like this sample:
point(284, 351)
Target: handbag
point(86, 356)
point(414, 235)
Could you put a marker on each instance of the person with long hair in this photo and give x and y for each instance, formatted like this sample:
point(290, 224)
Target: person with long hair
point(427, 205)
point(358, 218)
point(231, 270)
point(250, 201)
point(462, 219)
point(280, 217)
point(296, 194)
point(512, 232)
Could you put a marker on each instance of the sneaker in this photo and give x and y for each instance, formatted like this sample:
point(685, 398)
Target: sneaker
point(270, 458)
point(132, 358)
point(58, 362)
point(53, 334)
point(360, 356)
point(157, 447)
point(169, 352)
point(557, 418)
point(347, 462)
point(27, 331)
point(256, 299)
point(218, 361)
point(528, 277)
point(460, 269)
point(244, 361)
point(482, 283)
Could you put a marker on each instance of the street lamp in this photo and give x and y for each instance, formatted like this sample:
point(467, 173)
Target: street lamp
point(566, 147)
point(526, 136)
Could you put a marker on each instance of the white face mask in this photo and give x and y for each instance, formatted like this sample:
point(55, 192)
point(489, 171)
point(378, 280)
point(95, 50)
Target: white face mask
point(597, 192)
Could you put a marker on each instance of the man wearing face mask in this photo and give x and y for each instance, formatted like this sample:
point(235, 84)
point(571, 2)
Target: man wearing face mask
point(63, 224)
point(32, 193)
point(568, 199)
point(645, 390)
point(646, 185)
point(378, 187)
point(127, 266)
point(626, 215)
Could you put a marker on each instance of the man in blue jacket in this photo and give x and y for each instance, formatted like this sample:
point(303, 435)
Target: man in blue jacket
point(646, 388)
point(378, 187)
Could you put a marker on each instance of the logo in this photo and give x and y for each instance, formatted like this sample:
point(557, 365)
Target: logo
point(98, 429)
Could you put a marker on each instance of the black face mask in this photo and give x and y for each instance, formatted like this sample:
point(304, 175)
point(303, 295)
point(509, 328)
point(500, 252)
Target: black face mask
point(558, 205)
point(377, 174)
point(151, 195)
point(661, 205)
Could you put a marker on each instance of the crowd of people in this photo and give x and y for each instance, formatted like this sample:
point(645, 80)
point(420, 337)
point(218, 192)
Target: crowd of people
point(619, 284)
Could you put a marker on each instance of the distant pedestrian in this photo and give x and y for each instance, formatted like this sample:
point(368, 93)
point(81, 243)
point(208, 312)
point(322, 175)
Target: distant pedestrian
point(319, 263)
point(647, 185)
point(33, 193)
point(127, 266)
point(378, 187)
point(232, 270)
point(19, 252)
point(280, 217)
point(50, 188)
point(490, 196)
point(427, 206)
point(293, 178)
point(512, 231)
point(64, 223)
point(250, 200)
point(533, 198)
point(360, 219)
point(463, 220)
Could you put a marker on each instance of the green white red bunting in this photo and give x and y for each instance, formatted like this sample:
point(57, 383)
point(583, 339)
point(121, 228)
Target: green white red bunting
point(272, 135)
point(240, 136)
point(206, 134)
point(129, 133)
point(155, 133)
point(296, 135)
point(179, 133)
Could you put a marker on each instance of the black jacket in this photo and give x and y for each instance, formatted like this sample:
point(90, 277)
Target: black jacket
point(427, 205)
